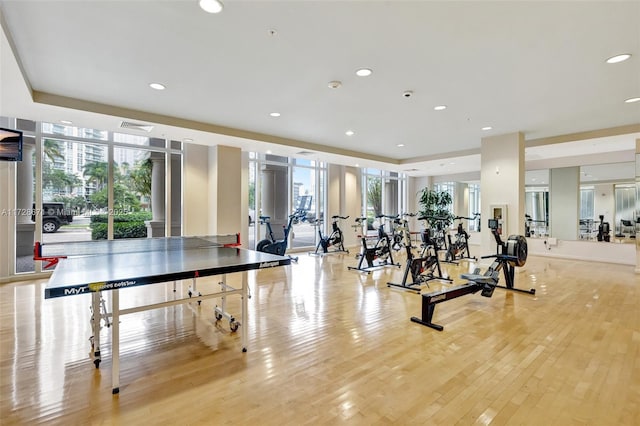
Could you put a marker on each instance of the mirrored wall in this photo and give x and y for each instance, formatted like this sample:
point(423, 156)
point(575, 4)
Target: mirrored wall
point(607, 200)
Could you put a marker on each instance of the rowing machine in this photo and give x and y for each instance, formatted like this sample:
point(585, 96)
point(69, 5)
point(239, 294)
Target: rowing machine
point(514, 254)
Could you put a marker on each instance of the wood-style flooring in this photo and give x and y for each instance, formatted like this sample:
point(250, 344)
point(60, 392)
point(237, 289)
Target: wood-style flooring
point(330, 346)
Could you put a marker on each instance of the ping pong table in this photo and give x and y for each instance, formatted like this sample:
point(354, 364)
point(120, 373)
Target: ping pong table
point(110, 265)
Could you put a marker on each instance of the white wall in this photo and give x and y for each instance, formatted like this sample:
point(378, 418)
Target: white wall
point(617, 253)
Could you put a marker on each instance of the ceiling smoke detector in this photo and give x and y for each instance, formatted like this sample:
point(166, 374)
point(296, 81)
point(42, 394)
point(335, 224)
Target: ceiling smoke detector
point(334, 84)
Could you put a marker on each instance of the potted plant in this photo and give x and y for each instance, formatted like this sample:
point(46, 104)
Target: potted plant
point(435, 206)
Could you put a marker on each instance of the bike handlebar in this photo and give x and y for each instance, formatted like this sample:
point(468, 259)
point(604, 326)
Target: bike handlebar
point(339, 217)
point(432, 217)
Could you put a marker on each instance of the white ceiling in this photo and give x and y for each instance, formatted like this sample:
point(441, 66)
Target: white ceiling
point(534, 67)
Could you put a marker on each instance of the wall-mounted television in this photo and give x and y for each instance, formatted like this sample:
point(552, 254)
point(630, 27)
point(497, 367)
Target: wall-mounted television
point(10, 145)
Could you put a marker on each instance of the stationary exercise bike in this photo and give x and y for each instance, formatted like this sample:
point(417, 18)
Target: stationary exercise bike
point(376, 255)
point(396, 231)
point(335, 239)
point(459, 248)
point(422, 268)
point(279, 247)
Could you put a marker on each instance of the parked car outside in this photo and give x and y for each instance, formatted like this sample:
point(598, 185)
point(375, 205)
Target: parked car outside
point(54, 215)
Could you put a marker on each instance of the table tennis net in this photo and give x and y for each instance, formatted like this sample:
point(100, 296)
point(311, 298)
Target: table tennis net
point(136, 245)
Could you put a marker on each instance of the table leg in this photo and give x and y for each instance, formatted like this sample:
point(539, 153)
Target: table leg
point(95, 325)
point(115, 342)
point(245, 309)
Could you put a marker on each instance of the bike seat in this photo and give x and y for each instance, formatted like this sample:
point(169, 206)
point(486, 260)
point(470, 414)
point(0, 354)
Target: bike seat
point(264, 217)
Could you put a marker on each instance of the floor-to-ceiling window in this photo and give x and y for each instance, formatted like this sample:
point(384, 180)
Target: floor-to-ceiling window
point(308, 199)
point(536, 210)
point(588, 227)
point(82, 184)
point(385, 193)
point(280, 186)
point(625, 199)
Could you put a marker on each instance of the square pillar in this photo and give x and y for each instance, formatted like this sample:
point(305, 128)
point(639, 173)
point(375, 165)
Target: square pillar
point(225, 190)
point(564, 203)
point(502, 183)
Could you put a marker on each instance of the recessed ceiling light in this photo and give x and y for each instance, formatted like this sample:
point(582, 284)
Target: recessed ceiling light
point(400, 145)
point(487, 128)
point(618, 58)
point(452, 163)
point(364, 72)
point(357, 165)
point(349, 133)
point(268, 151)
point(66, 122)
point(187, 140)
point(274, 114)
point(440, 107)
point(632, 100)
point(211, 6)
point(157, 86)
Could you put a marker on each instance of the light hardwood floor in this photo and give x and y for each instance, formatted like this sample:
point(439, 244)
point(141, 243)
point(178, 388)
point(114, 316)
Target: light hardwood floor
point(331, 346)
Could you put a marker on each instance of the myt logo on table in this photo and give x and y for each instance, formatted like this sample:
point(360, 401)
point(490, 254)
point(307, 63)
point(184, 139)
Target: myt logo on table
point(80, 290)
point(269, 264)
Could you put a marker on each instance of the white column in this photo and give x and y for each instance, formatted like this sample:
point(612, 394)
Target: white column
point(637, 206)
point(156, 226)
point(196, 195)
point(502, 183)
point(225, 193)
point(25, 227)
point(351, 200)
point(24, 195)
